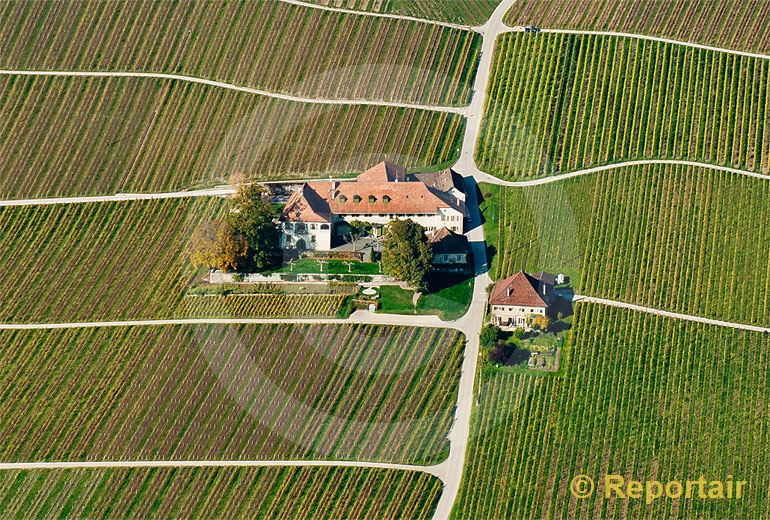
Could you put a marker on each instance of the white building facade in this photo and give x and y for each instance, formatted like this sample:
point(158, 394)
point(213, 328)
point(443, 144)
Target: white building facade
point(381, 194)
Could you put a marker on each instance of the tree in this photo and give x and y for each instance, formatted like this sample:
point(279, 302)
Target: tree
point(218, 245)
point(406, 253)
point(251, 215)
point(489, 335)
point(541, 322)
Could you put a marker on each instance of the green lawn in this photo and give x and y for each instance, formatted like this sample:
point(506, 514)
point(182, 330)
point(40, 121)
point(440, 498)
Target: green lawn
point(395, 300)
point(449, 302)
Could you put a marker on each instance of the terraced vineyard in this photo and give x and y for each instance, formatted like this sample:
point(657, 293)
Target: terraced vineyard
point(641, 396)
point(269, 45)
point(684, 239)
point(559, 102)
point(471, 12)
point(87, 262)
point(268, 305)
point(229, 392)
point(734, 25)
point(218, 492)
point(80, 136)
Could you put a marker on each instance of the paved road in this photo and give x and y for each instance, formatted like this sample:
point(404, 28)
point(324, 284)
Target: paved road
point(230, 86)
point(360, 316)
point(378, 15)
point(651, 38)
point(472, 321)
point(210, 464)
point(650, 310)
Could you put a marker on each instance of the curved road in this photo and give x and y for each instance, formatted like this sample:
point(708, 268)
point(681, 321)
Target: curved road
point(485, 177)
point(230, 86)
point(650, 38)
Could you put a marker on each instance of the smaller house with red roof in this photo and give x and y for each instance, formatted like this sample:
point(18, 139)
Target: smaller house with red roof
point(516, 300)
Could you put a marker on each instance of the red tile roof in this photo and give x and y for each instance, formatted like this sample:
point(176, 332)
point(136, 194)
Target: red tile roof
point(519, 289)
point(382, 189)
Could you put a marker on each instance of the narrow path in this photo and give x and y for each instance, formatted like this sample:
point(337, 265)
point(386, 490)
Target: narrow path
point(485, 177)
point(230, 86)
point(392, 16)
point(360, 316)
point(650, 38)
point(432, 470)
point(578, 298)
point(480, 176)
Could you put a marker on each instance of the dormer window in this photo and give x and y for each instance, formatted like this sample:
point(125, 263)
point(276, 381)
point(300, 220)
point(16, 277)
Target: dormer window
point(343, 199)
point(372, 199)
point(385, 199)
point(356, 198)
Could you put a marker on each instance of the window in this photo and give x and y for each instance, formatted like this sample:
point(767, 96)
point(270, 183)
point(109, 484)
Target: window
point(343, 199)
point(356, 198)
point(324, 226)
point(385, 199)
point(372, 199)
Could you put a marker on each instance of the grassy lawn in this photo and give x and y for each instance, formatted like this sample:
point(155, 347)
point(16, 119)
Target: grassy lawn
point(309, 265)
point(395, 300)
point(449, 302)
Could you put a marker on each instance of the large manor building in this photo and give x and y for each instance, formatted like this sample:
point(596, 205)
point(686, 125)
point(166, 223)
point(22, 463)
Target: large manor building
point(380, 194)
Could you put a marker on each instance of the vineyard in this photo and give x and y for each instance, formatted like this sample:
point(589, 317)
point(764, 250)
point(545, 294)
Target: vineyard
point(471, 12)
point(83, 136)
point(218, 493)
point(729, 24)
point(229, 392)
point(267, 305)
point(557, 103)
point(269, 45)
point(642, 396)
point(85, 262)
point(684, 239)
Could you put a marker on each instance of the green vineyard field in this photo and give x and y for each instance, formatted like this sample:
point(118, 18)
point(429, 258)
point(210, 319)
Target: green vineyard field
point(558, 103)
point(219, 392)
point(90, 262)
point(267, 305)
point(471, 12)
point(268, 45)
point(678, 238)
point(87, 136)
point(218, 493)
point(729, 24)
point(642, 396)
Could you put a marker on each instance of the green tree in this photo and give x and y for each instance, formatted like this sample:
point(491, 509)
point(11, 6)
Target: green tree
point(406, 253)
point(489, 335)
point(251, 215)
